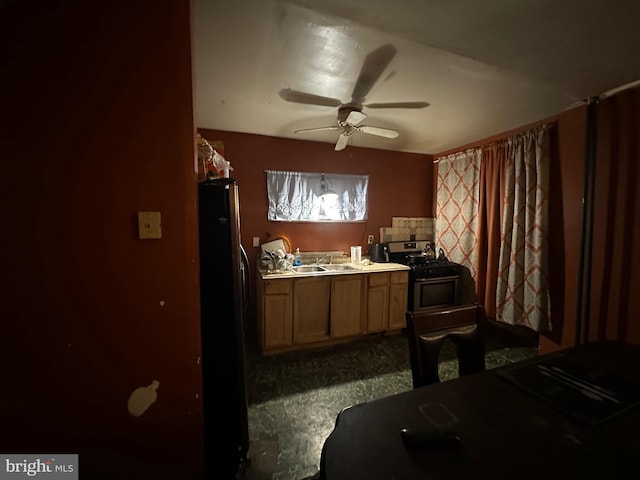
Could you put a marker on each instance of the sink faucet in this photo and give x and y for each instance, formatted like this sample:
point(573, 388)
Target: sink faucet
point(319, 260)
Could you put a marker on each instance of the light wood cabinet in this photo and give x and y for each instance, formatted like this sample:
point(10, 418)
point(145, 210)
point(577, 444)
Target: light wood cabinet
point(298, 313)
point(346, 305)
point(386, 301)
point(276, 313)
point(398, 291)
point(377, 302)
point(311, 309)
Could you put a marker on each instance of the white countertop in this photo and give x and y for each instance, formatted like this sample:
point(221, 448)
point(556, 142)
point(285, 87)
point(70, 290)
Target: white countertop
point(357, 269)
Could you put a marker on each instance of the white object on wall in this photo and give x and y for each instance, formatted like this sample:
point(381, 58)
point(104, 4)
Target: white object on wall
point(149, 225)
point(142, 398)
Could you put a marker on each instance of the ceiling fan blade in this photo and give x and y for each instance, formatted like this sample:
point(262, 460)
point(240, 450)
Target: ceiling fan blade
point(355, 117)
point(318, 129)
point(308, 98)
point(398, 105)
point(373, 66)
point(381, 132)
point(342, 142)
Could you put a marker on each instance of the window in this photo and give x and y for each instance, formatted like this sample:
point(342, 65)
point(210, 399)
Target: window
point(316, 197)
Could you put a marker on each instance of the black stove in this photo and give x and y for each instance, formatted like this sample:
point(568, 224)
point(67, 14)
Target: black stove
point(434, 269)
point(434, 281)
point(412, 254)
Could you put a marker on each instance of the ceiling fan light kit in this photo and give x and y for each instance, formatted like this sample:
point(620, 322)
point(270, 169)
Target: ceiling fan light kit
point(326, 194)
point(350, 114)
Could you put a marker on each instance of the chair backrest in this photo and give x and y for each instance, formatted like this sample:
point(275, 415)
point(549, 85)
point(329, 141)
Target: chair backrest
point(427, 332)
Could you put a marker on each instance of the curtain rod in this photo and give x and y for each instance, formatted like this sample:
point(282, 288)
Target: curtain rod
point(545, 125)
point(619, 89)
point(602, 96)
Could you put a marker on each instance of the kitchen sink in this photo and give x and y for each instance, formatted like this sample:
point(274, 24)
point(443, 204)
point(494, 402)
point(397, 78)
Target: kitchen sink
point(308, 269)
point(324, 267)
point(337, 267)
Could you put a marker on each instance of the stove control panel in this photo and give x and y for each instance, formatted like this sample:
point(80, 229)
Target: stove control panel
point(408, 247)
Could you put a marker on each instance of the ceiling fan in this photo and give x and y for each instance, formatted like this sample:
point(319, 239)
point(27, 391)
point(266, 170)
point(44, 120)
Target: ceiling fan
point(350, 114)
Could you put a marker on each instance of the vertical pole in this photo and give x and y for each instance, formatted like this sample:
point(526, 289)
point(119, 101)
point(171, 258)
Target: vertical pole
point(584, 274)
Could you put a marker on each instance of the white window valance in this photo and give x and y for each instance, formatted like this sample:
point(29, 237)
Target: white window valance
point(296, 197)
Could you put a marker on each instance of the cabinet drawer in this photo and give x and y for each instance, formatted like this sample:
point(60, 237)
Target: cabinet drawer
point(276, 287)
point(399, 277)
point(378, 279)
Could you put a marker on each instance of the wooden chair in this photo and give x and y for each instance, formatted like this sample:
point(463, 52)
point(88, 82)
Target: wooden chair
point(427, 332)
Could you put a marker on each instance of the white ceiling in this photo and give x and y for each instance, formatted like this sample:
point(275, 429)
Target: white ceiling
point(484, 67)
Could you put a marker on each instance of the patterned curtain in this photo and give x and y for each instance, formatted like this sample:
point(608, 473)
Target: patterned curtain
point(469, 192)
point(523, 288)
point(457, 207)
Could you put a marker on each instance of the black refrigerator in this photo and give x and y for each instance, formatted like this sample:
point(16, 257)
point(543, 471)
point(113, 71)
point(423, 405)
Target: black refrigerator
point(224, 270)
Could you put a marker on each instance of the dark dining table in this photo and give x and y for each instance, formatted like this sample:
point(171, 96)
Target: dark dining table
point(568, 414)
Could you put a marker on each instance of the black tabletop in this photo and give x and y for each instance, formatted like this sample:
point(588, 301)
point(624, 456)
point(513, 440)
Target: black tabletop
point(506, 429)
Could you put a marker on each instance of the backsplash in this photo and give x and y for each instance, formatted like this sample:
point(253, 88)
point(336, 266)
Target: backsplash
point(408, 228)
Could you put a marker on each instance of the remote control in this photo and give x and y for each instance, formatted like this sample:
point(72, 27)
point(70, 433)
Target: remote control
point(435, 438)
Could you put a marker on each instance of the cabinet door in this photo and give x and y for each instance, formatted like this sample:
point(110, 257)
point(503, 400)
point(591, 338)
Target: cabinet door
point(346, 305)
point(277, 321)
point(377, 309)
point(310, 309)
point(397, 305)
point(276, 313)
point(377, 302)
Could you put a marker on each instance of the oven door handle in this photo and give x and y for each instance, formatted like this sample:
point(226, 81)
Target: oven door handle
point(436, 278)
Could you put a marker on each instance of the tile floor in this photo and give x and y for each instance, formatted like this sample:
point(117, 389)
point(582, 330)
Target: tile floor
point(294, 398)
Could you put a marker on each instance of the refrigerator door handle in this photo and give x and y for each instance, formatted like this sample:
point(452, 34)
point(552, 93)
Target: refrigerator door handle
point(245, 270)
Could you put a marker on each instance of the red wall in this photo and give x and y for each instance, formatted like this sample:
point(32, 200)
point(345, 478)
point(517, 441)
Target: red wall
point(567, 177)
point(400, 185)
point(98, 125)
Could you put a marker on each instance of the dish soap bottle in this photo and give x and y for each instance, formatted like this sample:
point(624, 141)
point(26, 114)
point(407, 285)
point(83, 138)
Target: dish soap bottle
point(298, 258)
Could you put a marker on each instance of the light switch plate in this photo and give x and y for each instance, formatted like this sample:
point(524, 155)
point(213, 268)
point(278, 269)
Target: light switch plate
point(149, 225)
point(256, 241)
point(370, 240)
